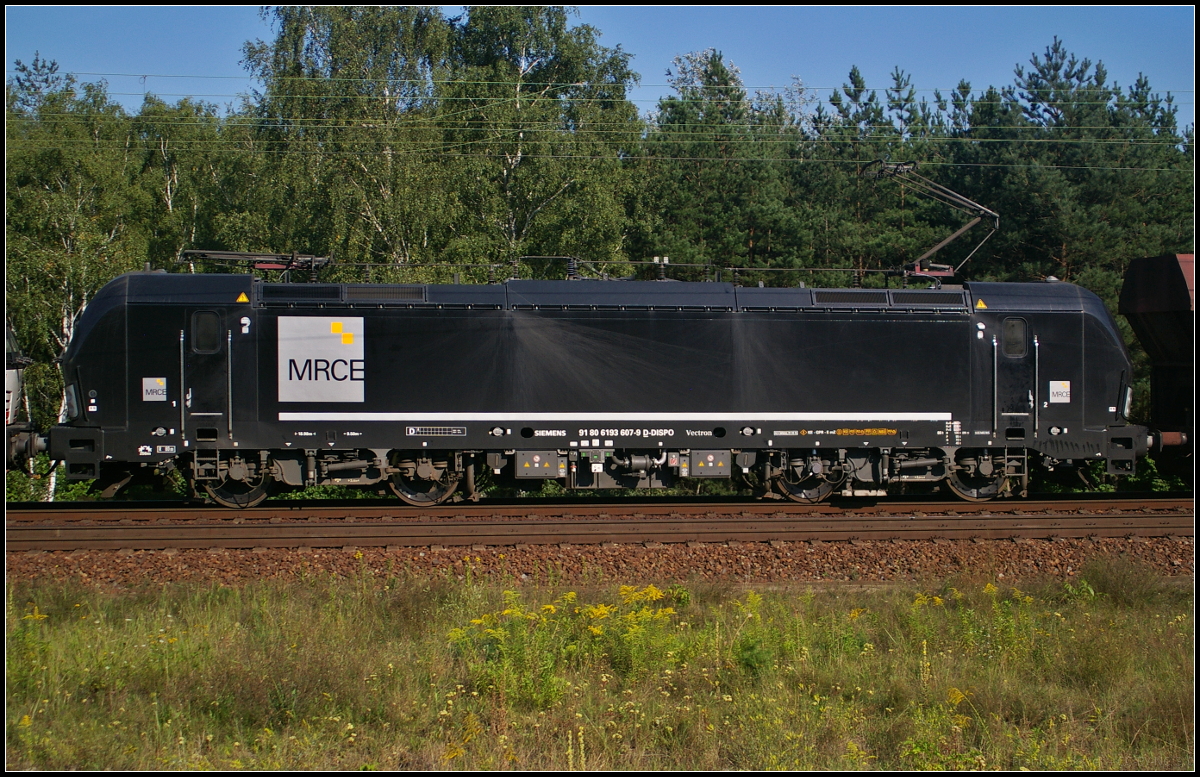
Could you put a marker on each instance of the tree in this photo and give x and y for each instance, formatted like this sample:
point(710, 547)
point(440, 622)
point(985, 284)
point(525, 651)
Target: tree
point(183, 165)
point(717, 161)
point(344, 131)
point(73, 213)
point(1084, 176)
point(536, 123)
point(414, 138)
point(862, 224)
point(74, 210)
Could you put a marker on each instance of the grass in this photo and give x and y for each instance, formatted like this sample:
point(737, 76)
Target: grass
point(377, 672)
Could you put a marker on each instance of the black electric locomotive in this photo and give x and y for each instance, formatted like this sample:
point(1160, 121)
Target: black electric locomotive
point(246, 386)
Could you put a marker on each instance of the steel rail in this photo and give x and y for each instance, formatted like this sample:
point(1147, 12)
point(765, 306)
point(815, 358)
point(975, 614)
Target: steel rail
point(116, 510)
point(69, 527)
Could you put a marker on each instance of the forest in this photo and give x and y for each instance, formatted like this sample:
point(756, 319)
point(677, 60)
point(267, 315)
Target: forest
point(406, 145)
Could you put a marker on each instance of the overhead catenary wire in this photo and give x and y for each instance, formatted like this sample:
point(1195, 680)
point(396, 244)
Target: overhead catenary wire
point(575, 98)
point(483, 102)
point(410, 130)
point(749, 132)
point(418, 121)
point(657, 140)
point(389, 79)
point(499, 135)
point(661, 159)
point(1110, 94)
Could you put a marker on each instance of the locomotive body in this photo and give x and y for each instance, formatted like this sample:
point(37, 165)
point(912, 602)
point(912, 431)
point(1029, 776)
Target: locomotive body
point(246, 386)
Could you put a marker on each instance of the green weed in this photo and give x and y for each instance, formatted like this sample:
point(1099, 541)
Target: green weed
point(387, 671)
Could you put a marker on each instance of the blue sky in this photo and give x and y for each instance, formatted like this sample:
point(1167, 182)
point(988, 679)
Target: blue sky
point(770, 45)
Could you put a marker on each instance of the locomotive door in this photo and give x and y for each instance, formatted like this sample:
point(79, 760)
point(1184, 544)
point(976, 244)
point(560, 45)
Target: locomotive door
point(1016, 361)
point(206, 362)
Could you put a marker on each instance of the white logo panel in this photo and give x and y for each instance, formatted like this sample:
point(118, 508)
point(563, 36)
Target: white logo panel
point(154, 390)
point(1060, 392)
point(321, 359)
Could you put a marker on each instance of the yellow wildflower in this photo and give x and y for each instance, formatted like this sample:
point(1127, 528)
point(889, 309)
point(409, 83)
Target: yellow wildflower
point(599, 611)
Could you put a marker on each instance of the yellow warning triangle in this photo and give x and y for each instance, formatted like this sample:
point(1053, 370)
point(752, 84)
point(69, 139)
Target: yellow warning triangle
point(527, 465)
point(980, 306)
point(243, 298)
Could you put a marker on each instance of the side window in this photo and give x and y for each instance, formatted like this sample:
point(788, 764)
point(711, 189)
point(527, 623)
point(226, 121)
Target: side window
point(1014, 337)
point(206, 331)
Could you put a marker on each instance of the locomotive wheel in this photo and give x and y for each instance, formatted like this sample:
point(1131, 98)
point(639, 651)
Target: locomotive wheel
point(975, 488)
point(236, 493)
point(808, 491)
point(423, 483)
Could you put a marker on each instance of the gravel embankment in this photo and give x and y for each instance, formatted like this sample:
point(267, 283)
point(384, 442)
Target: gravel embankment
point(776, 562)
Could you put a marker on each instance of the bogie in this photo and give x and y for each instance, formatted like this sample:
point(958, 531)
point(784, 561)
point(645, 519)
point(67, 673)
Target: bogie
point(801, 475)
point(424, 478)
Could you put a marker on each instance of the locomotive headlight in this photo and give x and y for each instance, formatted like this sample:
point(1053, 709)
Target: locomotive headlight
point(71, 399)
point(497, 431)
point(981, 326)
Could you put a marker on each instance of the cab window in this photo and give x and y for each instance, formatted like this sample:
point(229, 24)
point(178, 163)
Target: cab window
point(206, 331)
point(1014, 337)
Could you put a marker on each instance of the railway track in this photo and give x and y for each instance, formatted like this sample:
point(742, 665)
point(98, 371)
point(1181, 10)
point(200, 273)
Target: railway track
point(372, 524)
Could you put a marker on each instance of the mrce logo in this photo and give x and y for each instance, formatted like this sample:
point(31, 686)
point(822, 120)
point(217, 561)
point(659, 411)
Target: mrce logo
point(321, 359)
